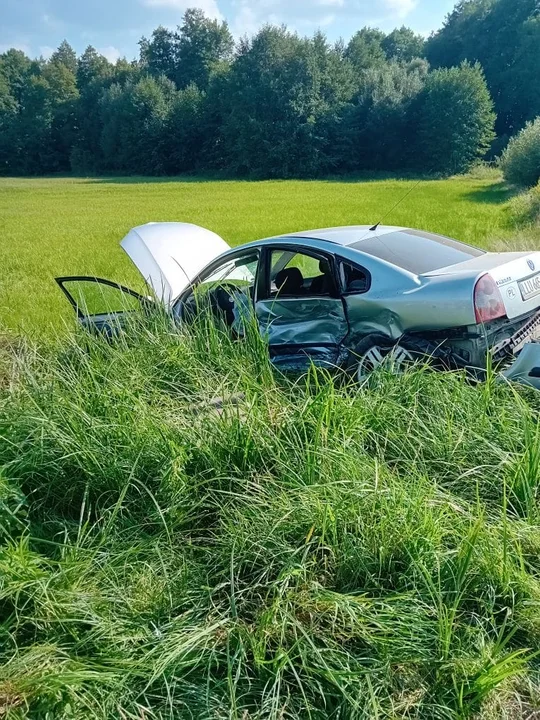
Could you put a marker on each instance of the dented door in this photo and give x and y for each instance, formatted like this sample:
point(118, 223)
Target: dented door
point(303, 330)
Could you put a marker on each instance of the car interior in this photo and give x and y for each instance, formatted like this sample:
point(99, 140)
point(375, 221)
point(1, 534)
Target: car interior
point(297, 280)
point(221, 290)
point(292, 275)
point(296, 274)
point(291, 282)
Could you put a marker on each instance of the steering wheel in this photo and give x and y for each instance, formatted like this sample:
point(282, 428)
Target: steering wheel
point(222, 300)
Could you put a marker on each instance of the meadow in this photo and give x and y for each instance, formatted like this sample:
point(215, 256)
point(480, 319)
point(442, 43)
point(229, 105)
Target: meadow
point(72, 226)
point(186, 534)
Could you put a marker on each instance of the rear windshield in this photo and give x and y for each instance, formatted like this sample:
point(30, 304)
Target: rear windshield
point(417, 252)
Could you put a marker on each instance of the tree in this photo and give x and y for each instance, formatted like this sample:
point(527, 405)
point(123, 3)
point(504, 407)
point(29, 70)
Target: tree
point(134, 117)
point(8, 115)
point(61, 81)
point(282, 105)
point(403, 44)
point(204, 47)
point(185, 132)
point(94, 75)
point(518, 87)
point(377, 128)
point(33, 128)
point(125, 71)
point(520, 161)
point(92, 68)
point(459, 39)
point(66, 56)
point(16, 67)
point(38, 127)
point(502, 35)
point(279, 100)
point(365, 49)
point(159, 55)
point(62, 96)
point(15, 72)
point(455, 120)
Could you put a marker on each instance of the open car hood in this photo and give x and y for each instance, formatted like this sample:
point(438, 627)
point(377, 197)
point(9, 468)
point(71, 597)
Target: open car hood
point(169, 255)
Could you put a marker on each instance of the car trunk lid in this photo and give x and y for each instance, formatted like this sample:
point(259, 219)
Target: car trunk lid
point(516, 274)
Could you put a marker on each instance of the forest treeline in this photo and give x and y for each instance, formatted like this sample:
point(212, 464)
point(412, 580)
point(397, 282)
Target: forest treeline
point(276, 104)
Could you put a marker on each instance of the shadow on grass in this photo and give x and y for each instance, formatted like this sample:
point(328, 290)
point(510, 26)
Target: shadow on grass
point(208, 178)
point(494, 194)
point(364, 177)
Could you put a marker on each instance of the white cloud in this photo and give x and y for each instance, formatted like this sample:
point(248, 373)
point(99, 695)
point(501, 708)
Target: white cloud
point(307, 15)
point(246, 21)
point(110, 52)
point(327, 20)
point(46, 51)
point(401, 7)
point(210, 7)
point(4, 47)
point(51, 22)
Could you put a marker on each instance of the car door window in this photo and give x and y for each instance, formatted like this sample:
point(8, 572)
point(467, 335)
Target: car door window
point(299, 274)
point(93, 297)
point(354, 279)
point(239, 272)
point(225, 290)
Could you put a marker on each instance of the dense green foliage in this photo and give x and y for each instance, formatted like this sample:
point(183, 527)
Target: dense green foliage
point(68, 226)
point(455, 118)
point(525, 208)
point(299, 549)
point(520, 161)
point(504, 37)
point(274, 105)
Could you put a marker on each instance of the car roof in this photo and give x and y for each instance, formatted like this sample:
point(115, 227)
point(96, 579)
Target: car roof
point(345, 236)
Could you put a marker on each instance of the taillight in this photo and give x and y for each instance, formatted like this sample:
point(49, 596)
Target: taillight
point(488, 303)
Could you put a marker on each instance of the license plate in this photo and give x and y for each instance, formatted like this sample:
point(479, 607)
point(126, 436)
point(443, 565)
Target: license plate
point(530, 287)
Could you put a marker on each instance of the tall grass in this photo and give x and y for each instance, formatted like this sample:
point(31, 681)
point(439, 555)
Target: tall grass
point(187, 534)
point(525, 208)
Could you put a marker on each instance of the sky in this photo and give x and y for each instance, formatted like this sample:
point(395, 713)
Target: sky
point(115, 26)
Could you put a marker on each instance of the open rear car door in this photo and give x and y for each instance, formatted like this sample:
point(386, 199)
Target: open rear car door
point(101, 305)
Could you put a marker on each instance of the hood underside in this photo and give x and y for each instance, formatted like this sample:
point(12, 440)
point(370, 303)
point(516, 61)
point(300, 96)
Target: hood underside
point(169, 255)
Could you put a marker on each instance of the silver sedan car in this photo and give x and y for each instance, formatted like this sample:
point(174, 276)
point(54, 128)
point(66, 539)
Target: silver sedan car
point(354, 297)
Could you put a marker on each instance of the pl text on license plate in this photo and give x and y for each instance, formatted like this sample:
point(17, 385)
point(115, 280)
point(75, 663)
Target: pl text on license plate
point(530, 287)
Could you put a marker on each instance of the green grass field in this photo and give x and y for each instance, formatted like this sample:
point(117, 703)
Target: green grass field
point(73, 226)
point(187, 535)
point(308, 551)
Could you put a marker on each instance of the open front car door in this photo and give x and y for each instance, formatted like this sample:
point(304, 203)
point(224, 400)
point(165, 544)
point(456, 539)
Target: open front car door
point(101, 305)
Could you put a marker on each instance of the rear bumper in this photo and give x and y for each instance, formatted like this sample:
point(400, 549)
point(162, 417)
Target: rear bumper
point(526, 368)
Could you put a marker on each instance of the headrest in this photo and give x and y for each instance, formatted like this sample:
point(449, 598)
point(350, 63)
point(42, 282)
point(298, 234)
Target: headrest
point(289, 281)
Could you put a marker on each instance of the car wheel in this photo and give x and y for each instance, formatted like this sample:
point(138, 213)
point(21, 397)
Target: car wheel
point(395, 359)
point(378, 353)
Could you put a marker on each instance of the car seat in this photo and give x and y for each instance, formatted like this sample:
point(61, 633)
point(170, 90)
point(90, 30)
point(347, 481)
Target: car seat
point(322, 284)
point(289, 281)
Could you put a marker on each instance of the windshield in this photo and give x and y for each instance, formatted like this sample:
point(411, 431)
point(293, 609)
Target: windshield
point(415, 251)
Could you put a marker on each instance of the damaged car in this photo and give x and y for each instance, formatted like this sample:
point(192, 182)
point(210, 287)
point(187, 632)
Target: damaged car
point(353, 297)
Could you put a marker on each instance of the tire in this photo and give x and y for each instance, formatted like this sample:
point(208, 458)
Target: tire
point(377, 351)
